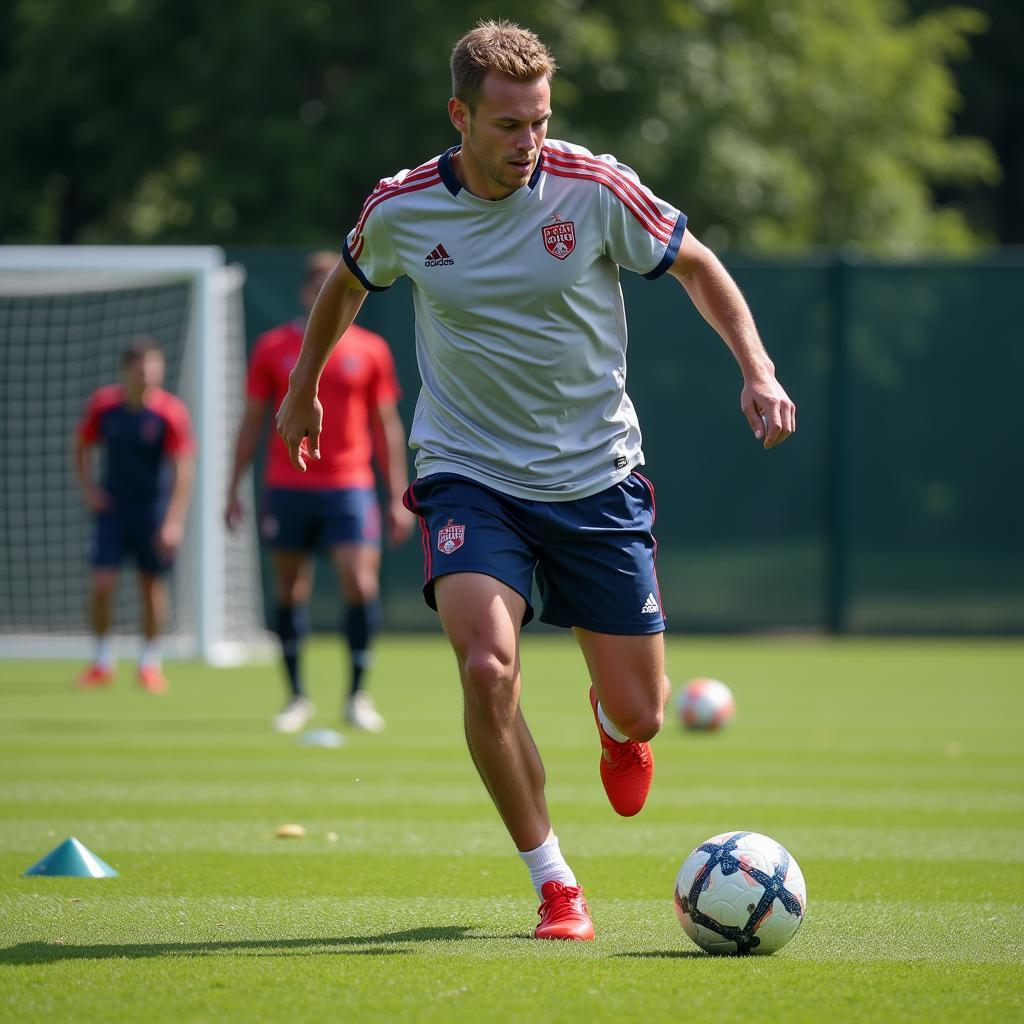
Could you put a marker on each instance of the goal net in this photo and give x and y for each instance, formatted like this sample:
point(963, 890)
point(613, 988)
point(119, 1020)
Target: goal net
point(66, 313)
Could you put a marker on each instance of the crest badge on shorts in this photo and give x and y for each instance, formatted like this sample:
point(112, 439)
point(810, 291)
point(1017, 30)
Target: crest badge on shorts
point(450, 537)
point(559, 238)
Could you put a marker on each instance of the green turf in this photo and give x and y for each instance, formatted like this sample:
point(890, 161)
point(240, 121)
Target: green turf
point(893, 771)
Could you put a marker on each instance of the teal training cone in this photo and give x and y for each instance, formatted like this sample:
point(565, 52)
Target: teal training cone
point(72, 859)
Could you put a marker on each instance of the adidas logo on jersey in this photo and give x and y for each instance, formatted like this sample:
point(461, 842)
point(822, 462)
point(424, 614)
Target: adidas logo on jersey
point(650, 606)
point(439, 257)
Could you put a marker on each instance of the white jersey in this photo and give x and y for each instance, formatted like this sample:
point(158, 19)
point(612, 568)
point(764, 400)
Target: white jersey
point(520, 322)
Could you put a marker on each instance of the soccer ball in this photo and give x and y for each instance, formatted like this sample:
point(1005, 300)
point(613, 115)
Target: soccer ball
point(740, 892)
point(706, 704)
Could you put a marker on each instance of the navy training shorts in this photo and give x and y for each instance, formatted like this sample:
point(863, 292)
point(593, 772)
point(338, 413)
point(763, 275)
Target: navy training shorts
point(128, 533)
point(593, 557)
point(298, 519)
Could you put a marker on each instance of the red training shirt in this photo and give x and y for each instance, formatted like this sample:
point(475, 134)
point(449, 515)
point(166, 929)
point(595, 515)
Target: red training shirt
point(359, 376)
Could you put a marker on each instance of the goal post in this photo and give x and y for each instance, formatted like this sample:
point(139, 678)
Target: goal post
point(66, 313)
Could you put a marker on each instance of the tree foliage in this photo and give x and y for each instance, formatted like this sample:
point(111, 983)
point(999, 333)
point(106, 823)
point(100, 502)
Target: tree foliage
point(776, 125)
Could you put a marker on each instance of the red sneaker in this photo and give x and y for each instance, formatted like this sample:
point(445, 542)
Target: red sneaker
point(563, 914)
point(95, 676)
point(151, 679)
point(626, 769)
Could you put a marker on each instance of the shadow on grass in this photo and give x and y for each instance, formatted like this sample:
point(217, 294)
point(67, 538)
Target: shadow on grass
point(664, 954)
point(384, 944)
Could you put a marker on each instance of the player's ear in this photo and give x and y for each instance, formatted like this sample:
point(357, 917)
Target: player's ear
point(458, 114)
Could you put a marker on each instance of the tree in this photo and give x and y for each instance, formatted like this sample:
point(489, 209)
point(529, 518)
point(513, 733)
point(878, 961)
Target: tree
point(776, 126)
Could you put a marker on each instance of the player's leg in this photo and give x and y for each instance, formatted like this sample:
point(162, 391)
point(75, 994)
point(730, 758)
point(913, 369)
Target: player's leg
point(102, 587)
point(288, 526)
point(478, 562)
point(597, 575)
point(351, 531)
point(154, 603)
point(628, 697)
point(105, 559)
point(628, 674)
point(140, 538)
point(482, 616)
point(357, 567)
point(293, 584)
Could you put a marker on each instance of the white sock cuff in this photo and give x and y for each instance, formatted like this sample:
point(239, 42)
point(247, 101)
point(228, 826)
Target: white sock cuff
point(609, 726)
point(104, 652)
point(547, 864)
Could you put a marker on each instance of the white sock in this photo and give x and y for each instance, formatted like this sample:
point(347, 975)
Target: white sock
point(104, 652)
point(609, 726)
point(546, 864)
point(150, 656)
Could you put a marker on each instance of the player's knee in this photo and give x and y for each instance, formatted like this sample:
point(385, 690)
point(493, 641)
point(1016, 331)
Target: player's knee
point(644, 725)
point(489, 684)
point(361, 588)
point(103, 584)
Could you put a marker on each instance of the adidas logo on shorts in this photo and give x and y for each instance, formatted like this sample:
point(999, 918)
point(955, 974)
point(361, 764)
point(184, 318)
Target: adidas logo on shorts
point(439, 257)
point(650, 606)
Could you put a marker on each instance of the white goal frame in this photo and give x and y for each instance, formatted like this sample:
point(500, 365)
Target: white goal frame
point(203, 267)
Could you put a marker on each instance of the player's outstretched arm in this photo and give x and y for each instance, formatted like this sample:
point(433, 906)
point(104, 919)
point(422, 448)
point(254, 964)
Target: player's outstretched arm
point(300, 415)
point(768, 409)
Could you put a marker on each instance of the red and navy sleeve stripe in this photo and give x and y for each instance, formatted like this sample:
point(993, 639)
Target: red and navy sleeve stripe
point(425, 176)
point(636, 198)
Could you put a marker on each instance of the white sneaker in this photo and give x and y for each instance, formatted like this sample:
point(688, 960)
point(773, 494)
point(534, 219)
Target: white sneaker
point(294, 715)
point(361, 712)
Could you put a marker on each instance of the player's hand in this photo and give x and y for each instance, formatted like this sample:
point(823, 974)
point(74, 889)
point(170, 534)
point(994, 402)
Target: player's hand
point(234, 513)
point(400, 522)
point(768, 409)
point(168, 539)
point(98, 500)
point(298, 422)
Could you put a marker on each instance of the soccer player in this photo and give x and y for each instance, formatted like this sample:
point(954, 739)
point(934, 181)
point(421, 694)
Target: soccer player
point(141, 503)
point(334, 505)
point(527, 444)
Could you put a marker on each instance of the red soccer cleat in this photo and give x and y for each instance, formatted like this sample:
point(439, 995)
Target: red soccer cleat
point(626, 769)
point(95, 676)
point(563, 914)
point(152, 680)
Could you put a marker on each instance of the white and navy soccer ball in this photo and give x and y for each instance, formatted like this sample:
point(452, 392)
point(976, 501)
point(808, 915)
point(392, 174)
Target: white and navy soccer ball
point(706, 704)
point(740, 892)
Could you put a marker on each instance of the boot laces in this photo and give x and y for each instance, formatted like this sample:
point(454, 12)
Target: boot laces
point(562, 903)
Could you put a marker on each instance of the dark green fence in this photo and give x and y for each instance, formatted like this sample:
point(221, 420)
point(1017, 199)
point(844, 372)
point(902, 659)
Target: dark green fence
point(898, 506)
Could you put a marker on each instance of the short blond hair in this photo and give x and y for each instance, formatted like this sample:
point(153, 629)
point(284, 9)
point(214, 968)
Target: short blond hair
point(499, 46)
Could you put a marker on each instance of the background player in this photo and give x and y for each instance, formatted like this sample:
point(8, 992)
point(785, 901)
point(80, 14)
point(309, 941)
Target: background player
point(141, 504)
point(527, 441)
point(334, 506)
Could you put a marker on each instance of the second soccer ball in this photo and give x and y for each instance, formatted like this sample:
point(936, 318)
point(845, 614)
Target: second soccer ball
point(705, 704)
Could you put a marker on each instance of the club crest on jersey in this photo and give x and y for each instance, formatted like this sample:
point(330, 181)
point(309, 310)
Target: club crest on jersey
point(450, 537)
point(559, 238)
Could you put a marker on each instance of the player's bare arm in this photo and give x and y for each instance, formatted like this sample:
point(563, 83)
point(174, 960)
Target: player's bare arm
point(96, 499)
point(768, 409)
point(390, 445)
point(172, 529)
point(245, 450)
point(301, 415)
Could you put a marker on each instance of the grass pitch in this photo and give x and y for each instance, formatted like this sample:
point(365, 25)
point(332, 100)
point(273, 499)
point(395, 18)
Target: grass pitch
point(893, 771)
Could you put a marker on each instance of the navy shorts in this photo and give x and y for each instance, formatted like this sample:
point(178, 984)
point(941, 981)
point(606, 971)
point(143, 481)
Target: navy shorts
point(128, 533)
point(593, 558)
point(295, 519)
